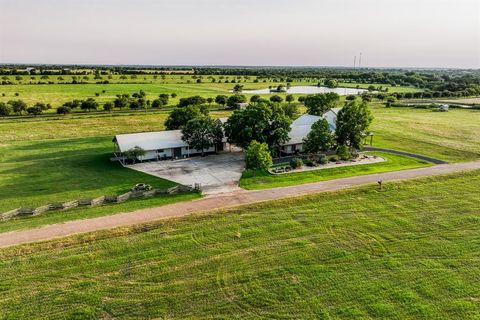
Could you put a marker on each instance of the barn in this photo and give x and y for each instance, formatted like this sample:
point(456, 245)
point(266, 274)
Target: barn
point(159, 145)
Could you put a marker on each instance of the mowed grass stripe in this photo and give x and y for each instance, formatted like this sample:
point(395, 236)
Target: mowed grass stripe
point(408, 251)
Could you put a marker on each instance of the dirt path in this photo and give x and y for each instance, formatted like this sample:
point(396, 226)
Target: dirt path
point(217, 202)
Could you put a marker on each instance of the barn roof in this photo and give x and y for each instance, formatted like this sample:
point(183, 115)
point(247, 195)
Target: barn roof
point(150, 140)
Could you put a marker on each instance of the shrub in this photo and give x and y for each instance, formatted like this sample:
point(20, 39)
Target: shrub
point(296, 163)
point(322, 158)
point(309, 163)
point(258, 156)
point(343, 152)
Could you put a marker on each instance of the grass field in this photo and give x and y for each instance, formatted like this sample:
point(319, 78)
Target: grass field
point(41, 172)
point(183, 86)
point(254, 180)
point(451, 136)
point(409, 251)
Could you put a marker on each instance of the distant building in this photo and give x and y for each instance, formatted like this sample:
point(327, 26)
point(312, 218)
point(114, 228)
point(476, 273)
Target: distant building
point(443, 107)
point(241, 105)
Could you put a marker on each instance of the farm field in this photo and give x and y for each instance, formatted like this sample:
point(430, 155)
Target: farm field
point(402, 252)
point(254, 180)
point(451, 136)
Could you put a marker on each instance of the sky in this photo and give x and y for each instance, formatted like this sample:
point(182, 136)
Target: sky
point(389, 33)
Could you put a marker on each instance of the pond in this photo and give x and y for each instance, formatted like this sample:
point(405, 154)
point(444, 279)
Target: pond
point(309, 90)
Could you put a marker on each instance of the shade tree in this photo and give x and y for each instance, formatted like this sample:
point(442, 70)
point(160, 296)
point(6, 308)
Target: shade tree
point(318, 104)
point(320, 138)
point(202, 132)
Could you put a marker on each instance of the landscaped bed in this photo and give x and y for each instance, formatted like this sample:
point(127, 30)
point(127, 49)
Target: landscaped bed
point(256, 179)
point(363, 159)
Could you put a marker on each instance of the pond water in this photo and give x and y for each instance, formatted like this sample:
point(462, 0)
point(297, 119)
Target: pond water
point(309, 90)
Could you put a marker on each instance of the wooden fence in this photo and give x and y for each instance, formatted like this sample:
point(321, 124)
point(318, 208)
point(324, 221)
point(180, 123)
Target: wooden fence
point(95, 201)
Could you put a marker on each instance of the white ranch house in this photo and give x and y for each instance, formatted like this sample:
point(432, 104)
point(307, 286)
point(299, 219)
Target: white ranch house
point(301, 127)
point(162, 145)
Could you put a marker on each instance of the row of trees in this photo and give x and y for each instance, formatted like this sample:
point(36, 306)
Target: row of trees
point(19, 107)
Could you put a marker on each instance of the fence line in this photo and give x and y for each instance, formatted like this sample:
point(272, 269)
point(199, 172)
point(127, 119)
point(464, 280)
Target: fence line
point(96, 201)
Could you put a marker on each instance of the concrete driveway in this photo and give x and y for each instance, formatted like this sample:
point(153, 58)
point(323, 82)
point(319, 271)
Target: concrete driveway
point(215, 173)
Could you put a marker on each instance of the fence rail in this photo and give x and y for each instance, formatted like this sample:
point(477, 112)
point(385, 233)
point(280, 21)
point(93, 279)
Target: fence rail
point(28, 212)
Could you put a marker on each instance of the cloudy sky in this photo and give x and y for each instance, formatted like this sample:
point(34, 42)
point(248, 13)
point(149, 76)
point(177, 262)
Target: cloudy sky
point(389, 33)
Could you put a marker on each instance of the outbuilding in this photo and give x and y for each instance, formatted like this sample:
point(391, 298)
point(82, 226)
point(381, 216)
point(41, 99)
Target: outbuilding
point(160, 145)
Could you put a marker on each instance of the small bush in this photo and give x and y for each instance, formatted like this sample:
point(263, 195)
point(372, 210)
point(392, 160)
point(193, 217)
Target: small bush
point(296, 163)
point(343, 153)
point(322, 158)
point(309, 163)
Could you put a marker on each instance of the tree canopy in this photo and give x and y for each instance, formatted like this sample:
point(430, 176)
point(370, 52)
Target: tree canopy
point(221, 99)
point(237, 98)
point(202, 133)
point(318, 104)
point(259, 122)
point(320, 138)
point(353, 121)
point(18, 106)
point(5, 109)
point(89, 104)
point(191, 101)
point(180, 116)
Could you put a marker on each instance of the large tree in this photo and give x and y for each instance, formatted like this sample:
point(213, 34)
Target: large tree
point(259, 122)
point(320, 138)
point(318, 104)
point(180, 116)
point(191, 101)
point(89, 104)
point(221, 99)
point(237, 98)
point(353, 121)
point(202, 133)
point(18, 106)
point(5, 109)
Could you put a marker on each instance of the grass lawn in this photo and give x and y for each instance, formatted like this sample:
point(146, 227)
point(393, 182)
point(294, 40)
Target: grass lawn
point(409, 251)
point(452, 136)
point(43, 171)
point(254, 180)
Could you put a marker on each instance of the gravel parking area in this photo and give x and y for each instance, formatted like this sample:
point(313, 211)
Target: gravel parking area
point(215, 173)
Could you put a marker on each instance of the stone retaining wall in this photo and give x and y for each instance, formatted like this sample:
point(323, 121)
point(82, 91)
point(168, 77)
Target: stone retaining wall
point(95, 201)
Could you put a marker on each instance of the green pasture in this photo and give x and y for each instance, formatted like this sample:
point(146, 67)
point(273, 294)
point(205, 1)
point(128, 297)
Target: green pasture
point(56, 94)
point(408, 251)
point(39, 172)
point(452, 136)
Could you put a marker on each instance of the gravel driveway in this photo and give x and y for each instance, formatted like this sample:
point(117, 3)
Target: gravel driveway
point(215, 173)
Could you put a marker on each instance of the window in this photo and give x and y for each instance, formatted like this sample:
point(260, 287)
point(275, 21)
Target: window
point(160, 151)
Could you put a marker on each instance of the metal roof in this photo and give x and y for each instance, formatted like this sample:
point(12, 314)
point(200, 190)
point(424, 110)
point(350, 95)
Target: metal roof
point(150, 140)
point(302, 126)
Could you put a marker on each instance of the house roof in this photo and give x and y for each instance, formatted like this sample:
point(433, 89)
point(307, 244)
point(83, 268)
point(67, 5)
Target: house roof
point(302, 126)
point(150, 140)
